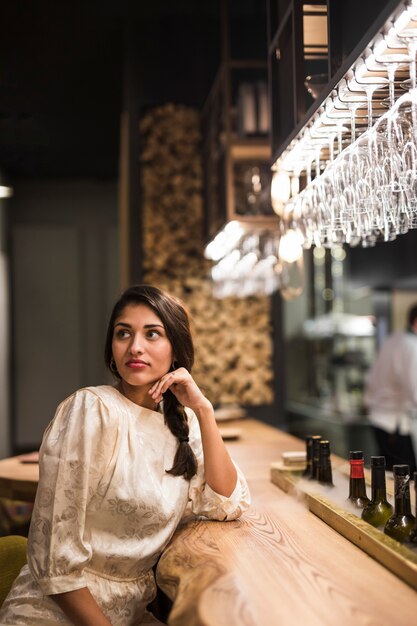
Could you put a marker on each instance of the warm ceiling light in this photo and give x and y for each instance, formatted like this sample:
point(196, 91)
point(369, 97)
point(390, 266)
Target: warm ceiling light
point(290, 246)
point(224, 241)
point(280, 190)
point(5, 192)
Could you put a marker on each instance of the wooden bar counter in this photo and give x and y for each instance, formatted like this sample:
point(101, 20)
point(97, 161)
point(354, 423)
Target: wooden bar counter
point(278, 565)
point(18, 481)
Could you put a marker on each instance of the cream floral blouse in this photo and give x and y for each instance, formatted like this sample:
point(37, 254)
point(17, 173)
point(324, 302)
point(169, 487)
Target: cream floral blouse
point(106, 508)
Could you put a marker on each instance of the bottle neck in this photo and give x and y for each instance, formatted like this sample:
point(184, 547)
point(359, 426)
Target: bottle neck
point(356, 468)
point(402, 495)
point(379, 492)
point(415, 517)
point(325, 468)
point(357, 487)
point(315, 461)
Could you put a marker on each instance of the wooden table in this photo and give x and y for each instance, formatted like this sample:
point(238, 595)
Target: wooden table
point(278, 565)
point(18, 481)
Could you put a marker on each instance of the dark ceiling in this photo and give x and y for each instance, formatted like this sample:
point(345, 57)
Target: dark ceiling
point(61, 74)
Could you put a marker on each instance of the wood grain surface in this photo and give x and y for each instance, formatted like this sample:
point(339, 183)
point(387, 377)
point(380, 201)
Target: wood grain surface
point(279, 565)
point(18, 481)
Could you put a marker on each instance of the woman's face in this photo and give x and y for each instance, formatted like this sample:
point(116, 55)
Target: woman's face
point(141, 349)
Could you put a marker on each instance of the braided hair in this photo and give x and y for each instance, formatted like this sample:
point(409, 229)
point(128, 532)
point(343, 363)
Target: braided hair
point(177, 327)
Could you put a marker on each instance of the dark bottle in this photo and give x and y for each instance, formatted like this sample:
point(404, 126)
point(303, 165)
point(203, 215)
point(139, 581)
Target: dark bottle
point(325, 466)
point(315, 463)
point(379, 510)
point(401, 523)
point(309, 455)
point(412, 538)
point(357, 489)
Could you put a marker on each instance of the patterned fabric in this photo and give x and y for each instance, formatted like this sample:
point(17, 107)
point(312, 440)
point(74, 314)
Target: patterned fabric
point(106, 508)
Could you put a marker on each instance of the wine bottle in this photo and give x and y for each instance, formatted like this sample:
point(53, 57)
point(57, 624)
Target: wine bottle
point(315, 464)
point(412, 538)
point(309, 455)
point(379, 510)
point(401, 523)
point(325, 467)
point(357, 488)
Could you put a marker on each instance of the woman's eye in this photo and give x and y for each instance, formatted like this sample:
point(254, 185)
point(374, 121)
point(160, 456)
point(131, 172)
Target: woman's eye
point(153, 334)
point(122, 333)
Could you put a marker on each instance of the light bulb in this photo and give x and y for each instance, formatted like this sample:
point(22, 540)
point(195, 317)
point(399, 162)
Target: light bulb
point(290, 246)
point(280, 190)
point(5, 192)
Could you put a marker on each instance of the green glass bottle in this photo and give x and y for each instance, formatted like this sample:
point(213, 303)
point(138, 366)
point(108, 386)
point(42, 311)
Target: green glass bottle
point(401, 523)
point(308, 472)
point(325, 467)
point(379, 510)
point(412, 538)
point(357, 488)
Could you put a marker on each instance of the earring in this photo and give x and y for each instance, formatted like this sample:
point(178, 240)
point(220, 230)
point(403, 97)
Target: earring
point(113, 367)
point(174, 365)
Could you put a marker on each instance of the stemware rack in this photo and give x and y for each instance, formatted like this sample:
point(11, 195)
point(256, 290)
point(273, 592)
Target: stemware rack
point(329, 100)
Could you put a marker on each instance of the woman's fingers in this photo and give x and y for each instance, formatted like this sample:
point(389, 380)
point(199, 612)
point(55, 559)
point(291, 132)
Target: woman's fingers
point(160, 387)
point(182, 386)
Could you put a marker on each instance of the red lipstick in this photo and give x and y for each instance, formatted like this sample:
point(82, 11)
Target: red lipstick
point(136, 364)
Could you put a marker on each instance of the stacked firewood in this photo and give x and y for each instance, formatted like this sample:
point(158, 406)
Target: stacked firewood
point(232, 336)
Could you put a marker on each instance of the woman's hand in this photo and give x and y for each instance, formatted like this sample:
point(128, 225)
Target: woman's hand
point(220, 473)
point(184, 388)
point(81, 608)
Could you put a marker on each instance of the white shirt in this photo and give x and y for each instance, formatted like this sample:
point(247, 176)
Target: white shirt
point(391, 386)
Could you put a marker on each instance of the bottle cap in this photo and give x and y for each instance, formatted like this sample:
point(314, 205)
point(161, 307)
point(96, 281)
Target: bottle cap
point(401, 470)
point(377, 461)
point(324, 443)
point(316, 443)
point(356, 454)
point(310, 438)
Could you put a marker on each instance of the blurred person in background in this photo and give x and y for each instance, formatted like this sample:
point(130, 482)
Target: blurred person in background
point(118, 467)
point(391, 396)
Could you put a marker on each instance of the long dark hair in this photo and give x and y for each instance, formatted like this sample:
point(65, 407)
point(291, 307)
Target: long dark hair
point(177, 327)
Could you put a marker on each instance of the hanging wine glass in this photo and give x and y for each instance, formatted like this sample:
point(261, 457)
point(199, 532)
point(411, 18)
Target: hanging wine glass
point(406, 30)
point(383, 59)
point(353, 100)
point(368, 82)
point(337, 114)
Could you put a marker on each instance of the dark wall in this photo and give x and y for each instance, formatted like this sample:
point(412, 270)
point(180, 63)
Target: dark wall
point(65, 276)
point(386, 266)
point(349, 22)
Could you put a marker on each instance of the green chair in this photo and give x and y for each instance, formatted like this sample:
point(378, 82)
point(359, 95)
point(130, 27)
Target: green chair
point(12, 559)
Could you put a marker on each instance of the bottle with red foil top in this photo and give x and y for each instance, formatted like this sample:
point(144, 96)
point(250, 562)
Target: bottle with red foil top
point(357, 488)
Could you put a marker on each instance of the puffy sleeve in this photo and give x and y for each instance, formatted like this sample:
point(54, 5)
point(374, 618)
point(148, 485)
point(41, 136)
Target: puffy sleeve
point(204, 500)
point(76, 450)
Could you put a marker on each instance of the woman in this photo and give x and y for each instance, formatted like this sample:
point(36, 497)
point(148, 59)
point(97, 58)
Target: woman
point(118, 466)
